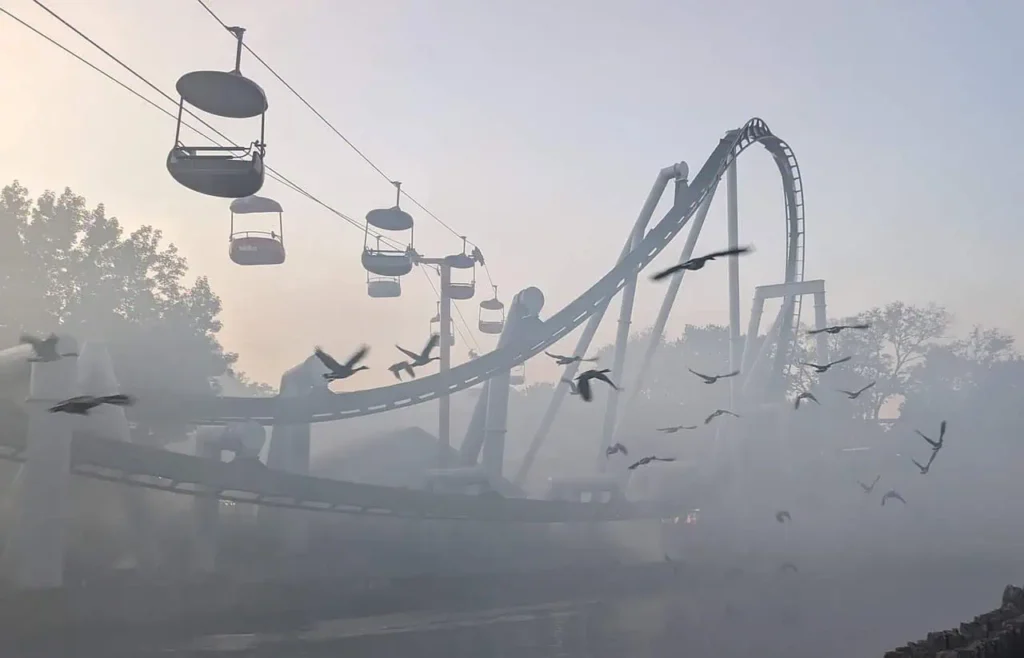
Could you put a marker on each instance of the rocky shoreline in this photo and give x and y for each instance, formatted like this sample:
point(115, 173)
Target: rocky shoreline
point(995, 634)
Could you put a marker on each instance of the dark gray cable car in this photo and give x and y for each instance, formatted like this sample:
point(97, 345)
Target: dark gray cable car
point(517, 376)
point(379, 286)
point(462, 290)
point(435, 325)
point(383, 287)
point(230, 172)
point(388, 262)
point(256, 247)
point(491, 317)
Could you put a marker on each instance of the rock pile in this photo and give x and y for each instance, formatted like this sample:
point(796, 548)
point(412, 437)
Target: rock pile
point(996, 634)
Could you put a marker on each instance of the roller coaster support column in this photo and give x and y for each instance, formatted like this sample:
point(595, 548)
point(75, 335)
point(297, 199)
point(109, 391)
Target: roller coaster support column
point(206, 508)
point(646, 212)
point(820, 322)
point(523, 319)
point(36, 548)
point(658, 332)
point(96, 376)
point(473, 443)
point(444, 419)
point(289, 451)
point(787, 291)
point(735, 338)
point(680, 172)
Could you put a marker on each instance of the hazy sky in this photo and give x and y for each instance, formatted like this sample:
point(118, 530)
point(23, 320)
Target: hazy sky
point(536, 128)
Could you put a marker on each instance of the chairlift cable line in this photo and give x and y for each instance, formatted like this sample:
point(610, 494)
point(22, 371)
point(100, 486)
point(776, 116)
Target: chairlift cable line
point(454, 325)
point(337, 132)
point(274, 174)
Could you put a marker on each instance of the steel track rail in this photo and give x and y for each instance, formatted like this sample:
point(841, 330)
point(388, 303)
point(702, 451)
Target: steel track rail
point(152, 468)
point(336, 406)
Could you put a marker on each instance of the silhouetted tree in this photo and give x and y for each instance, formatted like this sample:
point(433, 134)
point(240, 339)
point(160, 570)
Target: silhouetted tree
point(66, 266)
point(900, 338)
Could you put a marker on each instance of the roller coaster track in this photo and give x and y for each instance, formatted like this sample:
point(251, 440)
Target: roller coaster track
point(336, 406)
point(153, 468)
point(142, 466)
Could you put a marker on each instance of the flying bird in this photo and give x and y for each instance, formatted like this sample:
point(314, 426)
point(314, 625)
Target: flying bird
point(853, 395)
point(616, 448)
point(647, 460)
point(936, 445)
point(341, 370)
point(833, 330)
point(924, 469)
point(695, 264)
point(566, 360)
point(423, 358)
point(806, 395)
point(719, 412)
point(402, 366)
point(676, 428)
point(892, 493)
point(788, 566)
point(782, 516)
point(711, 379)
point(869, 489)
point(45, 349)
point(821, 369)
point(81, 405)
point(583, 382)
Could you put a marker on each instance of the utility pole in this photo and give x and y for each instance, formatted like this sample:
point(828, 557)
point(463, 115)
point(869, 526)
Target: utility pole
point(445, 265)
point(444, 439)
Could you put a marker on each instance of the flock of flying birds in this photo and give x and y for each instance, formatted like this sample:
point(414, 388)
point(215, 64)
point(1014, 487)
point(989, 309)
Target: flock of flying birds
point(783, 515)
point(45, 350)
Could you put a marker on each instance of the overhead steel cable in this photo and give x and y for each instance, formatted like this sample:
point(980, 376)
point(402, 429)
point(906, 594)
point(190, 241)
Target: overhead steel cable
point(274, 174)
point(342, 136)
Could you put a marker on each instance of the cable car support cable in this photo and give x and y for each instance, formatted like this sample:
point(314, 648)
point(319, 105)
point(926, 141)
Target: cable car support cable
point(273, 173)
point(333, 129)
point(335, 406)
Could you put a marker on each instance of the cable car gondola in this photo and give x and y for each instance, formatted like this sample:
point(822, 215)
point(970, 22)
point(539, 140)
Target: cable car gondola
point(256, 247)
point(491, 317)
point(229, 171)
point(462, 290)
point(517, 376)
point(383, 287)
point(435, 326)
point(389, 263)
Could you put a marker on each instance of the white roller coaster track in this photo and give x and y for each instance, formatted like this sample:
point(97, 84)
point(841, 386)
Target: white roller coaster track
point(338, 406)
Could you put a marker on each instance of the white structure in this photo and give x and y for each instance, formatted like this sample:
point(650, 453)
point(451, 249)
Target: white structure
point(96, 377)
point(35, 553)
point(289, 451)
point(245, 441)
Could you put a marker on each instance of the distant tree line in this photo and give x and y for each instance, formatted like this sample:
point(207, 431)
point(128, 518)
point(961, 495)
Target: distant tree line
point(922, 374)
point(67, 267)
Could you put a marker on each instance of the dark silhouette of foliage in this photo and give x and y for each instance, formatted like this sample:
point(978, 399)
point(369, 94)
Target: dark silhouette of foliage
point(67, 267)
